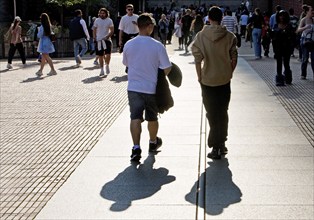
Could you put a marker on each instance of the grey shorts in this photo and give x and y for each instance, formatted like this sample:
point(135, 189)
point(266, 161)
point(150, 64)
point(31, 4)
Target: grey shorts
point(139, 102)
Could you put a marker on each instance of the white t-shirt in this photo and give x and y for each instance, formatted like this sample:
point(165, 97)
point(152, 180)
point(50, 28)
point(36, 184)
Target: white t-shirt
point(127, 26)
point(103, 27)
point(143, 56)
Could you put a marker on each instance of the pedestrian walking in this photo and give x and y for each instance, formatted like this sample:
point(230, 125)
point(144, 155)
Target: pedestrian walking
point(243, 22)
point(103, 31)
point(45, 45)
point(163, 25)
point(79, 34)
point(16, 42)
point(306, 26)
point(186, 26)
point(266, 40)
point(216, 48)
point(283, 37)
point(143, 55)
point(257, 22)
point(230, 22)
point(128, 26)
point(294, 21)
point(197, 25)
point(91, 39)
point(170, 28)
point(178, 30)
point(272, 19)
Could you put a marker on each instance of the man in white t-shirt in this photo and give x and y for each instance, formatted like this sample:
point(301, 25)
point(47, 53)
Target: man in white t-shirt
point(127, 26)
point(103, 30)
point(143, 55)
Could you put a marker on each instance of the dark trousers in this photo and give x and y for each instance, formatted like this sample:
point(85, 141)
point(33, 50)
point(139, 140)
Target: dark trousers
point(283, 58)
point(187, 38)
point(20, 48)
point(216, 102)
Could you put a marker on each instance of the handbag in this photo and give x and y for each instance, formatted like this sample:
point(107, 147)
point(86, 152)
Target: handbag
point(309, 39)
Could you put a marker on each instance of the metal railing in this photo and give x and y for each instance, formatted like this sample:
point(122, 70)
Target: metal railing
point(63, 48)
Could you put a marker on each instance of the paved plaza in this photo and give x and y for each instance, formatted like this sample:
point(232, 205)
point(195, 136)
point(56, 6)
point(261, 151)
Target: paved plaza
point(65, 146)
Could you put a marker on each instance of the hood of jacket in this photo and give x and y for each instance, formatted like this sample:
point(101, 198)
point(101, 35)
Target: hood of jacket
point(215, 32)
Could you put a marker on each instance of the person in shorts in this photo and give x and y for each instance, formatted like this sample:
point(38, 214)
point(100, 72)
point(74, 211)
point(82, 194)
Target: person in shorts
point(103, 30)
point(143, 63)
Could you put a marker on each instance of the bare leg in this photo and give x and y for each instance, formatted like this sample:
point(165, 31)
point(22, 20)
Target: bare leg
point(42, 63)
point(107, 59)
point(101, 61)
point(153, 129)
point(136, 130)
point(49, 60)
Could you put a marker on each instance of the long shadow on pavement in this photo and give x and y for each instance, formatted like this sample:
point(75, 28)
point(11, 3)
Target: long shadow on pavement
point(32, 79)
point(92, 79)
point(119, 79)
point(220, 191)
point(134, 183)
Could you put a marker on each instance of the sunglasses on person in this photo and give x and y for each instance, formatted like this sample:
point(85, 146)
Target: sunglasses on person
point(130, 9)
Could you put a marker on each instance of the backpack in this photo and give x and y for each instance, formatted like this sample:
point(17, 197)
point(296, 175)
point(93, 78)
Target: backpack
point(309, 39)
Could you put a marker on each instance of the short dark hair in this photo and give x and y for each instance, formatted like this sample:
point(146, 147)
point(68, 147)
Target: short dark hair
point(78, 12)
point(215, 14)
point(144, 20)
point(278, 8)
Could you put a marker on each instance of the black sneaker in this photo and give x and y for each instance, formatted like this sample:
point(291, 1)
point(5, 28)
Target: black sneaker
point(154, 147)
point(136, 155)
point(223, 149)
point(215, 154)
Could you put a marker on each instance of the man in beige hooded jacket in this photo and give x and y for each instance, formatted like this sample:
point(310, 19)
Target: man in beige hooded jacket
point(217, 49)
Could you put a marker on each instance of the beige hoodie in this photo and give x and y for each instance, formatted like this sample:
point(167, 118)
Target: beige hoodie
point(216, 47)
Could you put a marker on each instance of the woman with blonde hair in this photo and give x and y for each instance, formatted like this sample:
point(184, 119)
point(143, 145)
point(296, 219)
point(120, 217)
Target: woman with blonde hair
point(45, 45)
point(16, 42)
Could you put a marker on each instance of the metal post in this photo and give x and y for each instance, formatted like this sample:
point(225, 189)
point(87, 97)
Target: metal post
point(14, 2)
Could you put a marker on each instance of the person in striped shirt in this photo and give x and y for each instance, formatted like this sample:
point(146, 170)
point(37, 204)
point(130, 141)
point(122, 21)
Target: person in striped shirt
point(230, 22)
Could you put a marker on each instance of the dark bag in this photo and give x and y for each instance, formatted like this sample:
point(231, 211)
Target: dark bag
point(309, 39)
point(163, 94)
point(53, 37)
point(175, 75)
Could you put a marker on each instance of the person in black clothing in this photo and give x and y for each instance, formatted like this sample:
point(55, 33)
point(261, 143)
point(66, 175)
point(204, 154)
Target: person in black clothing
point(283, 36)
point(186, 26)
point(170, 28)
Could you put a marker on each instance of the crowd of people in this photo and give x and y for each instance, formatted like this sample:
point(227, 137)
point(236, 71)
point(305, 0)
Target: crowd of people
point(262, 29)
point(204, 31)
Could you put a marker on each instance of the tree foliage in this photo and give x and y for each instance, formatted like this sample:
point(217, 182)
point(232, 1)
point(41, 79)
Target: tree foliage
point(65, 3)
